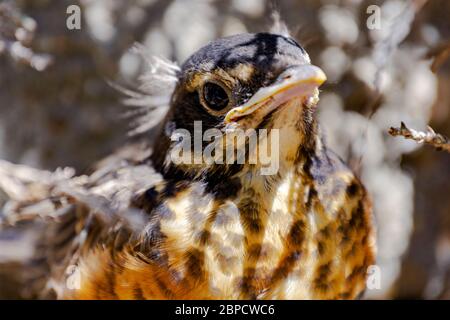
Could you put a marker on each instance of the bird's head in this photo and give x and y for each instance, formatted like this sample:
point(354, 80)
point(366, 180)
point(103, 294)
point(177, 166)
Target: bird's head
point(243, 82)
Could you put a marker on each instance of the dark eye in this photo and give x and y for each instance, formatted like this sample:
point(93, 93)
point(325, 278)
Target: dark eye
point(215, 96)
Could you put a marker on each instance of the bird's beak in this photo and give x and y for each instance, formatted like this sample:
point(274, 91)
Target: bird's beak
point(294, 82)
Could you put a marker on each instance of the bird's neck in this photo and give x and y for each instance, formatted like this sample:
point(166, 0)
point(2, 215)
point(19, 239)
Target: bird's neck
point(292, 145)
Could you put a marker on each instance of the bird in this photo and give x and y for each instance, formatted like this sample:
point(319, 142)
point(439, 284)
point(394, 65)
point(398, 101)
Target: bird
point(145, 225)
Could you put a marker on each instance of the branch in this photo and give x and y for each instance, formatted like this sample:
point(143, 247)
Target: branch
point(430, 137)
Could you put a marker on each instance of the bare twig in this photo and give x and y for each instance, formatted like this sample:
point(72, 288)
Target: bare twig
point(430, 137)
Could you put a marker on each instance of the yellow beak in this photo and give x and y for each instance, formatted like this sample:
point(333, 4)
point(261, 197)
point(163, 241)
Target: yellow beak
point(294, 82)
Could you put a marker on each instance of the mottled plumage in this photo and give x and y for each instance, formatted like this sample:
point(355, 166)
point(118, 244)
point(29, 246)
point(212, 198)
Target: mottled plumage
point(144, 227)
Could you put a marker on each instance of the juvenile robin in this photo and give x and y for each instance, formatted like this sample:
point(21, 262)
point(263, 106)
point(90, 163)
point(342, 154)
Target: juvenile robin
point(145, 226)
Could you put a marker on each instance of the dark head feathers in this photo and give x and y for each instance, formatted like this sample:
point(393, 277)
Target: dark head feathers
point(261, 49)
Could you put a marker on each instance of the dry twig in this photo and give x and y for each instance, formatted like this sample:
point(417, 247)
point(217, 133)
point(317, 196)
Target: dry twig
point(430, 137)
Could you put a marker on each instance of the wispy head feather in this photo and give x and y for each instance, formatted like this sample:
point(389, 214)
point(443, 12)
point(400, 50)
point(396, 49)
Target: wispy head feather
point(150, 101)
point(278, 25)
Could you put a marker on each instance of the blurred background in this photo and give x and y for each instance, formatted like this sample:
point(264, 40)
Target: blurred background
point(57, 109)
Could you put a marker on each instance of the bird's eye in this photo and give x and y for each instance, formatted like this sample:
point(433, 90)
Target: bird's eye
point(215, 96)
